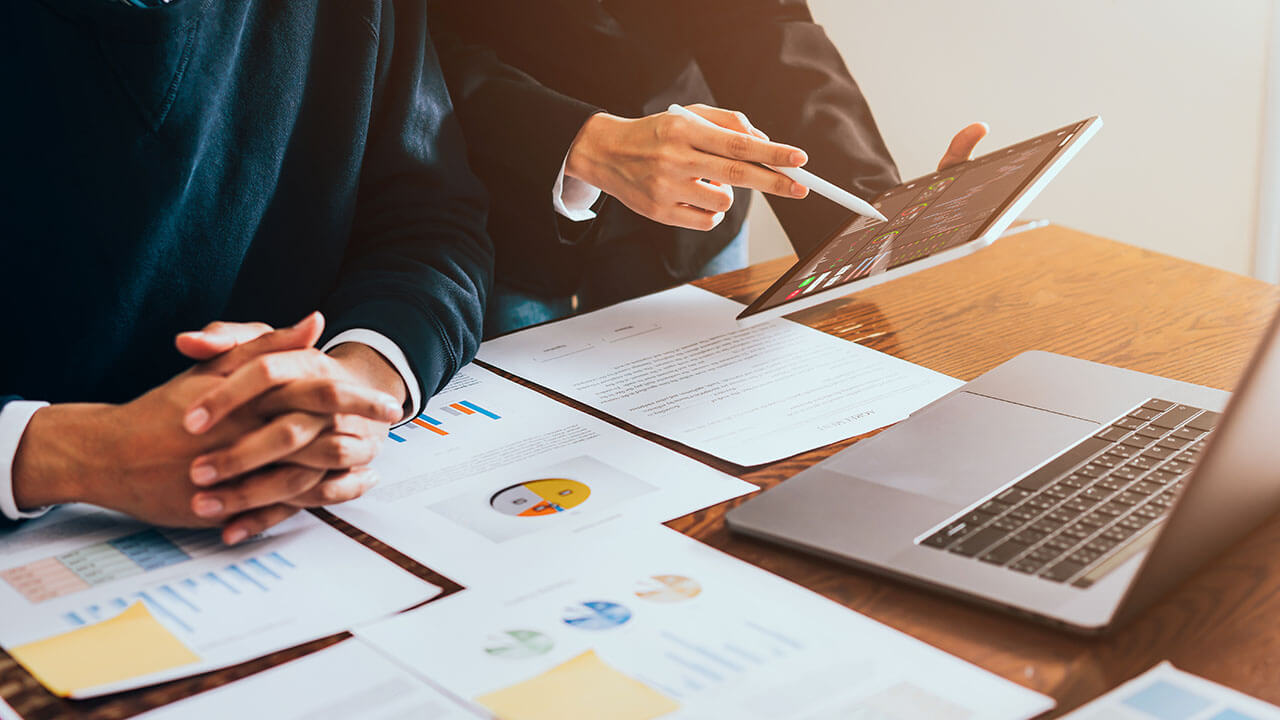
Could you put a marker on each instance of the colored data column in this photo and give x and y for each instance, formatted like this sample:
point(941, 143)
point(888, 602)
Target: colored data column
point(43, 580)
point(150, 550)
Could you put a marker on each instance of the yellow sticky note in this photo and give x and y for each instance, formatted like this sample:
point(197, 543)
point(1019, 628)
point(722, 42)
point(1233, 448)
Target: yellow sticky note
point(584, 688)
point(128, 645)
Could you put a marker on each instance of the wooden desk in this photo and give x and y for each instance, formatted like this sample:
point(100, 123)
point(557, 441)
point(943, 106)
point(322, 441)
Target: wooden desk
point(1052, 289)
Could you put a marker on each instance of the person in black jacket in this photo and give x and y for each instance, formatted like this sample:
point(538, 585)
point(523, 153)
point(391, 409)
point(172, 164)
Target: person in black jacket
point(233, 165)
point(559, 99)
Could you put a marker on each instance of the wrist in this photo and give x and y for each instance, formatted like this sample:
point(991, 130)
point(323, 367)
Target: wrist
point(60, 455)
point(589, 154)
point(370, 367)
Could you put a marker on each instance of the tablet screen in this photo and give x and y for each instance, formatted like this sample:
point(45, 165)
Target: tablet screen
point(926, 216)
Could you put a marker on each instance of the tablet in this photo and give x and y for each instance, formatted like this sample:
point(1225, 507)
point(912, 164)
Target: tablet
point(932, 219)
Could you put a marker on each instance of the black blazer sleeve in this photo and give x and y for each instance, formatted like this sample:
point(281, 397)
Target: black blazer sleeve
point(518, 132)
point(419, 262)
point(770, 60)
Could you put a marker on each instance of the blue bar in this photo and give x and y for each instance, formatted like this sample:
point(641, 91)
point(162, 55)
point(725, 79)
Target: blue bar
point(429, 419)
point(256, 563)
point(164, 611)
point(281, 560)
point(120, 603)
point(235, 570)
point(74, 619)
point(215, 578)
point(395, 437)
point(479, 409)
point(174, 594)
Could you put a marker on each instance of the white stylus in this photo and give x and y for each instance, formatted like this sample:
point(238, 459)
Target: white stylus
point(843, 198)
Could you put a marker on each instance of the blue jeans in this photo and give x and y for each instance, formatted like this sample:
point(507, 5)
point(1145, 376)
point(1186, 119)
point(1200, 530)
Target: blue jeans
point(510, 309)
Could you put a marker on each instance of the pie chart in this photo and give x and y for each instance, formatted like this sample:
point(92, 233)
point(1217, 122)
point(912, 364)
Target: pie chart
point(595, 615)
point(518, 644)
point(667, 588)
point(539, 498)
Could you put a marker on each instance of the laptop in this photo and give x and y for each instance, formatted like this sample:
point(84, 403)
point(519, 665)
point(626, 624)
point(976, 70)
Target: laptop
point(1063, 490)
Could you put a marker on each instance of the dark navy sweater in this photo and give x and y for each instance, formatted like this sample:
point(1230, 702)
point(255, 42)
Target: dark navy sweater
point(232, 160)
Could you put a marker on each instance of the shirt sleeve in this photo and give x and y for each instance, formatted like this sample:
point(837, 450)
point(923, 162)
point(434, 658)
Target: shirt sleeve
point(387, 348)
point(14, 417)
point(572, 197)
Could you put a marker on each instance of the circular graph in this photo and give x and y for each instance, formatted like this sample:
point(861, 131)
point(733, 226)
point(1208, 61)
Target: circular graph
point(595, 615)
point(668, 588)
point(536, 498)
point(517, 644)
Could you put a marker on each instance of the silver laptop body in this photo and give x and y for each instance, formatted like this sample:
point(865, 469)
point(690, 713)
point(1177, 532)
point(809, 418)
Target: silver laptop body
point(887, 503)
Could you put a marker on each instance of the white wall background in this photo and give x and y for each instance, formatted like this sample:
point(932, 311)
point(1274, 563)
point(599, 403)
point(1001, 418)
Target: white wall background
point(1179, 84)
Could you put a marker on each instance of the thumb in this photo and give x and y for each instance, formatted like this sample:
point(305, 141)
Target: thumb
point(217, 337)
point(961, 147)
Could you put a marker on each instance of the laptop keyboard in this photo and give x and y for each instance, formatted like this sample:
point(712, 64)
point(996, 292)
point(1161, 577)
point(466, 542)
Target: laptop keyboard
point(1067, 518)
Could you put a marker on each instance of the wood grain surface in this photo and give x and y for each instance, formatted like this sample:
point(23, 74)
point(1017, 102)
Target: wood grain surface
point(1051, 289)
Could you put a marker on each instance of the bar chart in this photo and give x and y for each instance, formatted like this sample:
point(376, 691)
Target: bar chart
point(432, 424)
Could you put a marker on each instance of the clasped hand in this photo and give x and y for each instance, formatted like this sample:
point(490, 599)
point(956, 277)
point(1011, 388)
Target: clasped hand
point(316, 423)
point(262, 426)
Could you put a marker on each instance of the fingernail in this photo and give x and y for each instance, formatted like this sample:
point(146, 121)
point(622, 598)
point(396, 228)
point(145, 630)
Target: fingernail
point(799, 190)
point(196, 420)
point(392, 410)
point(203, 474)
point(797, 158)
point(237, 535)
point(208, 507)
point(370, 480)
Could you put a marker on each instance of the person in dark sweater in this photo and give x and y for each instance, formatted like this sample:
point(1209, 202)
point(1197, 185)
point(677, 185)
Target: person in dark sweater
point(231, 166)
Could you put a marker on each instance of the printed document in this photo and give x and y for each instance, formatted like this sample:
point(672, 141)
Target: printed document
point(94, 602)
point(676, 364)
point(1167, 693)
point(654, 624)
point(348, 680)
point(493, 475)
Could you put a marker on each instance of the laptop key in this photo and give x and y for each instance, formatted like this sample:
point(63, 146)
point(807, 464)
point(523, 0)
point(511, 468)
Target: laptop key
point(1157, 453)
point(1144, 414)
point(1043, 554)
point(1157, 404)
point(1112, 434)
point(1206, 420)
point(1003, 553)
point(1146, 487)
point(1174, 417)
point(1027, 565)
point(1030, 536)
point(1063, 571)
point(1056, 467)
point(1012, 495)
point(1173, 443)
point(992, 507)
point(1189, 433)
point(977, 542)
point(1128, 423)
point(1125, 450)
point(1006, 523)
point(1152, 432)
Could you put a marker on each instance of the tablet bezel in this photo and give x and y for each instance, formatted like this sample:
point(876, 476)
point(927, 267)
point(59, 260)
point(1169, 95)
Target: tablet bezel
point(997, 224)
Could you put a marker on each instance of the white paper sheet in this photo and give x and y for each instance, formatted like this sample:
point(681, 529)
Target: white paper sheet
point(80, 566)
point(348, 680)
point(676, 363)
point(1167, 693)
point(705, 636)
point(454, 501)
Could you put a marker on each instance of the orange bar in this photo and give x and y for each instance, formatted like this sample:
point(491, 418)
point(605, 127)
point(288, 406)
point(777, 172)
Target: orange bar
point(463, 408)
point(429, 426)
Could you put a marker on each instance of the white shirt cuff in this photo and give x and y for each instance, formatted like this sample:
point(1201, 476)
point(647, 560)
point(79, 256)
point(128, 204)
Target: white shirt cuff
point(572, 197)
point(385, 347)
point(13, 422)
